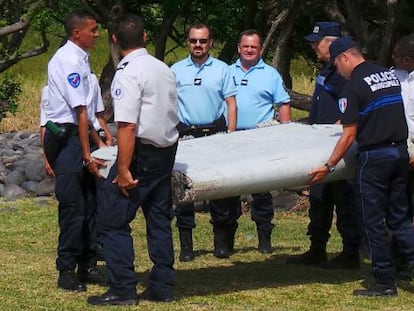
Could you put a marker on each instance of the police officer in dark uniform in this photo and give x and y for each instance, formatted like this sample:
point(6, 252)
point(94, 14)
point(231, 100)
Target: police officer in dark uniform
point(373, 114)
point(66, 146)
point(145, 107)
point(327, 196)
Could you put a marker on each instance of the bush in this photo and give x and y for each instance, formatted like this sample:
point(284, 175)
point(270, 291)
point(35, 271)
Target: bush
point(9, 92)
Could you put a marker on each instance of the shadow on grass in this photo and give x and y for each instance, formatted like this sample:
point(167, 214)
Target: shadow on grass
point(271, 272)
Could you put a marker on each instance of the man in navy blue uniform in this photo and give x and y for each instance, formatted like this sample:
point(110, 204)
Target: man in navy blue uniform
point(373, 114)
point(69, 90)
point(145, 108)
point(327, 196)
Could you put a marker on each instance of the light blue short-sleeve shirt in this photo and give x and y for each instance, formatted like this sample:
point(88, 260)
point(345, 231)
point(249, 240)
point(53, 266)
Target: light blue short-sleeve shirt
point(202, 90)
point(258, 90)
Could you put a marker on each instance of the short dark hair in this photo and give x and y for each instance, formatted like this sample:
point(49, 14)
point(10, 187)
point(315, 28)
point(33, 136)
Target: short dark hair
point(129, 31)
point(251, 32)
point(76, 18)
point(405, 46)
point(200, 26)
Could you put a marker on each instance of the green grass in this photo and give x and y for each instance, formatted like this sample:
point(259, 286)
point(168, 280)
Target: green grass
point(246, 281)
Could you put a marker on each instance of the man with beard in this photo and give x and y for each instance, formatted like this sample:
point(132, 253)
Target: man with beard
point(204, 88)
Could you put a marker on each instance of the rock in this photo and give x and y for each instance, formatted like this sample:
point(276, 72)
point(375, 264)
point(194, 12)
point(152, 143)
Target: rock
point(16, 177)
point(46, 187)
point(13, 192)
point(30, 186)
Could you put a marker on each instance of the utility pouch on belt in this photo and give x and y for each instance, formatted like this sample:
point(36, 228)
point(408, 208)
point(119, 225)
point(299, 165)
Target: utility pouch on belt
point(218, 125)
point(55, 138)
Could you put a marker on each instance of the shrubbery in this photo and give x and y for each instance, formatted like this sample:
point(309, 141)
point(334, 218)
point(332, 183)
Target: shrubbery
point(9, 92)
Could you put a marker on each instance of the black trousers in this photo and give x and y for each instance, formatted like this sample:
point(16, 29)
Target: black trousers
point(152, 166)
point(382, 176)
point(326, 197)
point(76, 243)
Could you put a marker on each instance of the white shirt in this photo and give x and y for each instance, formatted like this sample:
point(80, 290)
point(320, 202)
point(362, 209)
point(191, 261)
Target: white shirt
point(144, 93)
point(94, 102)
point(407, 92)
point(69, 83)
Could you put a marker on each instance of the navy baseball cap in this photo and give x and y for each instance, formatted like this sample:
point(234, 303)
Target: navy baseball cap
point(339, 46)
point(324, 29)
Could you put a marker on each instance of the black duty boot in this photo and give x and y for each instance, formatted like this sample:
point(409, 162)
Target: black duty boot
point(91, 275)
point(231, 232)
point(186, 244)
point(314, 256)
point(343, 261)
point(67, 280)
point(377, 290)
point(221, 243)
point(265, 245)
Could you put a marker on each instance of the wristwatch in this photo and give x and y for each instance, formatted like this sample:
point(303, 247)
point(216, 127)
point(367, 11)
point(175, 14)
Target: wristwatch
point(331, 168)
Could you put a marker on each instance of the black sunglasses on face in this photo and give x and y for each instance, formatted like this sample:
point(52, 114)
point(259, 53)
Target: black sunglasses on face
point(194, 41)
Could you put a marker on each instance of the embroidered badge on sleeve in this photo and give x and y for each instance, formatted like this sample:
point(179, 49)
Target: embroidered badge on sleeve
point(74, 79)
point(342, 104)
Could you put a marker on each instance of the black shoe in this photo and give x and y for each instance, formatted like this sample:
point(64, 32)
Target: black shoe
point(343, 261)
point(67, 280)
point(91, 276)
point(311, 257)
point(265, 246)
point(221, 243)
point(376, 290)
point(150, 296)
point(111, 299)
point(186, 244)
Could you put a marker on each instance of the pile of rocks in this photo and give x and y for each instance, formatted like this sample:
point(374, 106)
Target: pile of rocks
point(22, 170)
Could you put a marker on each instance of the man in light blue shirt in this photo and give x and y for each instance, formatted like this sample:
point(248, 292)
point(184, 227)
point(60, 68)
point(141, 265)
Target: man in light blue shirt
point(259, 89)
point(206, 93)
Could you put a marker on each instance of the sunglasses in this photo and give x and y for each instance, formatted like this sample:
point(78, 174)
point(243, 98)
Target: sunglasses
point(194, 41)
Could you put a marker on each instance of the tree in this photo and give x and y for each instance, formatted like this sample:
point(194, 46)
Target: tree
point(16, 18)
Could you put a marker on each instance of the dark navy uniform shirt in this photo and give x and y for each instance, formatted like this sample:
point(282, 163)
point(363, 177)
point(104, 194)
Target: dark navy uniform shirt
point(372, 100)
point(324, 109)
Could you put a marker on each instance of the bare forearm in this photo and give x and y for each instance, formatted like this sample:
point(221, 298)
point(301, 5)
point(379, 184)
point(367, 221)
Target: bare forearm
point(231, 113)
point(126, 145)
point(284, 113)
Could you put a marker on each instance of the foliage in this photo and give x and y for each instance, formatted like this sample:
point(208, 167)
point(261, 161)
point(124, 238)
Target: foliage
point(9, 92)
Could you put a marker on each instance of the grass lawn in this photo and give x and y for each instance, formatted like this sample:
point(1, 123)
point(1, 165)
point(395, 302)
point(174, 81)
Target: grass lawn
point(246, 281)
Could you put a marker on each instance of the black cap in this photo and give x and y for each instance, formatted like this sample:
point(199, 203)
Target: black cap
point(324, 29)
point(339, 46)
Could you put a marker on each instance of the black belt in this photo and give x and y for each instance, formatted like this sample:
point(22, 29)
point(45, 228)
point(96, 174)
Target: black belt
point(218, 125)
point(382, 145)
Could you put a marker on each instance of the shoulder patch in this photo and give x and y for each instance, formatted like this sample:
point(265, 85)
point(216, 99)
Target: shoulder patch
point(342, 104)
point(117, 93)
point(74, 79)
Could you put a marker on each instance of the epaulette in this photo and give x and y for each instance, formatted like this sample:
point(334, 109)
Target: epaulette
point(122, 67)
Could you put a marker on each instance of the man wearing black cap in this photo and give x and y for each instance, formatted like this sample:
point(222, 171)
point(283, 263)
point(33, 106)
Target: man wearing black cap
point(323, 197)
point(373, 115)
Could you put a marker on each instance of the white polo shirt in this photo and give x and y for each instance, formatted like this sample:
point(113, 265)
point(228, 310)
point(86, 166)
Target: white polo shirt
point(69, 83)
point(144, 93)
point(407, 92)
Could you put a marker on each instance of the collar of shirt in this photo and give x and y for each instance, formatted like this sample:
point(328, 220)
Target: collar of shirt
point(259, 65)
point(190, 62)
point(76, 49)
point(131, 55)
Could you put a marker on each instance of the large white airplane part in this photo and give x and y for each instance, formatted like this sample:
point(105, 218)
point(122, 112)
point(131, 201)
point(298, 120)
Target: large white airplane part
point(256, 160)
point(251, 161)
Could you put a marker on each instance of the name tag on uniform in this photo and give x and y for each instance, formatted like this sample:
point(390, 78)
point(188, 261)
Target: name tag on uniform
point(244, 82)
point(197, 81)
